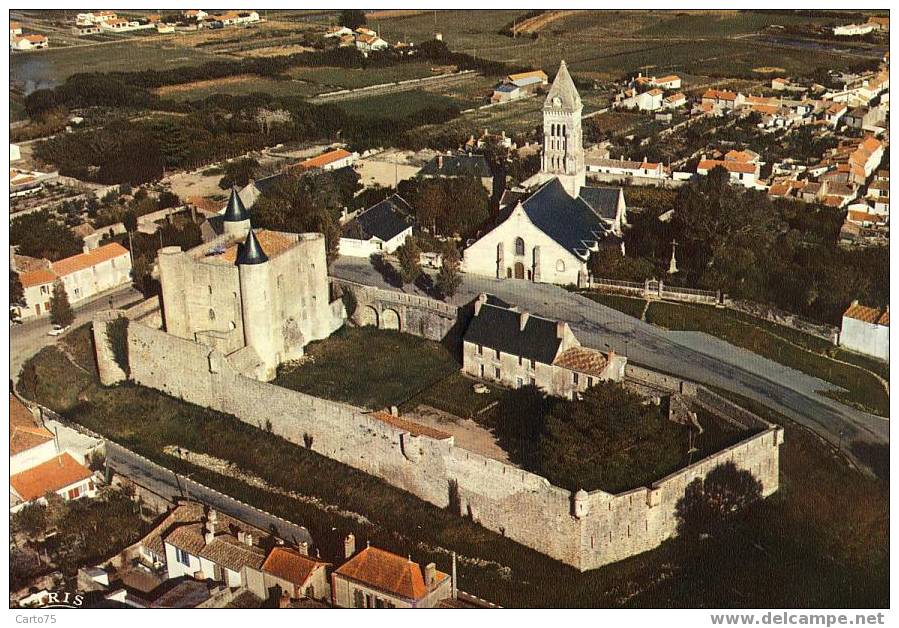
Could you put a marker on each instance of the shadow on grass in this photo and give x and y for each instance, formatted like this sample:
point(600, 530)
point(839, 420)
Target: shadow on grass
point(876, 456)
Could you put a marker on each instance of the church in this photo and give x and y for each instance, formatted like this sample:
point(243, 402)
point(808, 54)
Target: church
point(547, 230)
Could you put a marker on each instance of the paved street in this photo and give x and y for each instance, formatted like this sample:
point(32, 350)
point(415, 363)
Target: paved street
point(171, 486)
point(695, 356)
point(31, 336)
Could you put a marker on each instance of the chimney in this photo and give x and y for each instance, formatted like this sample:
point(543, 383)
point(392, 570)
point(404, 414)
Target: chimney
point(560, 329)
point(211, 520)
point(349, 545)
point(440, 162)
point(394, 411)
point(304, 548)
point(249, 539)
point(611, 354)
point(284, 600)
point(241, 536)
point(522, 320)
point(208, 537)
point(430, 575)
point(481, 300)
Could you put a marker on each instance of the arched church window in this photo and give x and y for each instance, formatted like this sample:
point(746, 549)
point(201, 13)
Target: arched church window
point(519, 246)
point(560, 266)
point(211, 314)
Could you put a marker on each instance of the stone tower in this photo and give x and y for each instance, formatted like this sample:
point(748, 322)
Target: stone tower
point(237, 218)
point(563, 145)
point(256, 296)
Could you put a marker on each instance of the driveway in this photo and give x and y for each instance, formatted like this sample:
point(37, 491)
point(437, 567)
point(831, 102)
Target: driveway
point(31, 336)
point(694, 356)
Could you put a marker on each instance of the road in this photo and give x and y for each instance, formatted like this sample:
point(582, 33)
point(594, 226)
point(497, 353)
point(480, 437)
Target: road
point(171, 486)
point(691, 355)
point(31, 336)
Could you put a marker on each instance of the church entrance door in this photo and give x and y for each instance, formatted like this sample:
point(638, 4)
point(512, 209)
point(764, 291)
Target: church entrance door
point(519, 270)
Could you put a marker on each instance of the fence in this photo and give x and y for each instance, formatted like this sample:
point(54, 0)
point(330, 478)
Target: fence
point(657, 289)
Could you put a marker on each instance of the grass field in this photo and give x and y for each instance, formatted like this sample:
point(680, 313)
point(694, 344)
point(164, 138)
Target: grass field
point(353, 78)
point(820, 541)
point(399, 105)
point(237, 86)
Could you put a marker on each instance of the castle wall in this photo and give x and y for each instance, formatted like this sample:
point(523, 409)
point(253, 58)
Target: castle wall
point(522, 506)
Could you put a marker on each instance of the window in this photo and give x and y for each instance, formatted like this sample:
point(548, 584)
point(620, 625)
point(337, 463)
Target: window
point(368, 600)
point(575, 377)
point(519, 382)
point(589, 382)
point(480, 349)
point(496, 372)
point(533, 382)
point(533, 364)
point(482, 371)
point(74, 492)
point(519, 246)
point(210, 289)
point(497, 353)
point(560, 266)
point(182, 557)
point(357, 599)
point(211, 314)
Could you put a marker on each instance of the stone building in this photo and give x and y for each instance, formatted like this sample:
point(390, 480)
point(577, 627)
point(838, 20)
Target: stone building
point(514, 348)
point(547, 230)
point(258, 296)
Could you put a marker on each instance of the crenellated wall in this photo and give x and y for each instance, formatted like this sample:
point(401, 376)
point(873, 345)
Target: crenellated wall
point(586, 530)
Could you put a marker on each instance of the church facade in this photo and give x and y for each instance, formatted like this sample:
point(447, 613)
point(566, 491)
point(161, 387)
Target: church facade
point(547, 230)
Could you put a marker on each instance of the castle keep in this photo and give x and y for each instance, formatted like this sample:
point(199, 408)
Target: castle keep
point(257, 296)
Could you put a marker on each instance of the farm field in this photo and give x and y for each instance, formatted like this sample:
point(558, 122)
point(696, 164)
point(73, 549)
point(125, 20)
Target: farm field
point(395, 105)
point(329, 78)
point(237, 86)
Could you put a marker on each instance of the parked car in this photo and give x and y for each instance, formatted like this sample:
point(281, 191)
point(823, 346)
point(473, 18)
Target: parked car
point(58, 330)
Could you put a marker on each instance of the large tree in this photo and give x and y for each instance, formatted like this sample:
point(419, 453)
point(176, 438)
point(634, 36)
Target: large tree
point(41, 235)
point(449, 277)
point(352, 18)
point(16, 292)
point(409, 256)
point(60, 310)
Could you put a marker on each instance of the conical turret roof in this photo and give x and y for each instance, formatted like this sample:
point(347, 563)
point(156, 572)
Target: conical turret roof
point(251, 252)
point(563, 88)
point(235, 211)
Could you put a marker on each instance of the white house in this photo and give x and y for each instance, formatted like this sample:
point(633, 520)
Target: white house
point(15, 28)
point(370, 43)
point(332, 160)
point(866, 330)
point(29, 42)
point(84, 276)
point(744, 173)
point(95, 17)
point(848, 30)
point(382, 228)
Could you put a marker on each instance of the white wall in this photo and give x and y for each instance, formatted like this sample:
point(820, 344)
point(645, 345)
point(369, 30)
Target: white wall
point(32, 457)
point(867, 338)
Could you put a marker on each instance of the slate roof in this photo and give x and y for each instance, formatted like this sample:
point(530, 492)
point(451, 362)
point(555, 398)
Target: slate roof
point(603, 201)
point(235, 210)
point(384, 220)
point(574, 223)
point(500, 328)
point(457, 166)
point(252, 252)
point(507, 88)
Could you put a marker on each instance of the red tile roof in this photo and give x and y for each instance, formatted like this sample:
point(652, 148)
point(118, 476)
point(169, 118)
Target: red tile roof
point(289, 564)
point(51, 476)
point(38, 277)
point(413, 428)
point(325, 159)
point(868, 314)
point(81, 261)
point(387, 572)
point(583, 360)
point(730, 166)
point(24, 431)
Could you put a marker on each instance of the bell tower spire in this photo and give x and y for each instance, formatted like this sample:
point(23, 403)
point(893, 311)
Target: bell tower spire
point(563, 144)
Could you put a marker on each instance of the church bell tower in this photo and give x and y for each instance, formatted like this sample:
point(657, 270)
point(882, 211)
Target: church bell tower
point(563, 144)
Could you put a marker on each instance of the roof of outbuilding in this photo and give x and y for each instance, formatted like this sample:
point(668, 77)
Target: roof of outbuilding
point(227, 551)
point(384, 220)
point(583, 360)
point(500, 328)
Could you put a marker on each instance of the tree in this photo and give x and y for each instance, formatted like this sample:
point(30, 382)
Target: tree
point(31, 521)
point(16, 292)
point(712, 504)
point(448, 277)
point(239, 172)
point(352, 18)
point(129, 220)
point(40, 235)
point(409, 256)
point(60, 310)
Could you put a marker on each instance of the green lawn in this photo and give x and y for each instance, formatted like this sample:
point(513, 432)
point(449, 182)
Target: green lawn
point(369, 367)
point(762, 338)
point(454, 394)
point(399, 105)
point(821, 541)
point(353, 78)
point(629, 305)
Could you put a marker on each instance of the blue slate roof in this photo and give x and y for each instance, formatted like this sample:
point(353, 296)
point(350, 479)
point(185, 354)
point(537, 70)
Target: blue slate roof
point(457, 166)
point(251, 252)
point(571, 222)
point(384, 220)
point(235, 210)
point(499, 328)
point(604, 201)
point(506, 88)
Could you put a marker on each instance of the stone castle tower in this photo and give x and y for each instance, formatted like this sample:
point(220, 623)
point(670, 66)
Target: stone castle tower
point(563, 144)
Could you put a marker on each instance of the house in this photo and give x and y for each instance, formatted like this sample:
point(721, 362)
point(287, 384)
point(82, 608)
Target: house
point(866, 330)
point(744, 173)
point(370, 43)
point(195, 14)
point(834, 113)
point(296, 575)
point(672, 81)
point(644, 101)
point(626, 168)
point(382, 228)
point(332, 160)
point(465, 165)
point(29, 42)
point(208, 545)
point(674, 101)
point(852, 30)
point(15, 153)
point(880, 23)
point(85, 29)
point(779, 84)
point(84, 275)
point(15, 28)
point(863, 117)
point(867, 156)
point(95, 17)
point(338, 31)
point(30, 443)
point(513, 348)
point(376, 578)
point(63, 475)
point(546, 230)
point(722, 99)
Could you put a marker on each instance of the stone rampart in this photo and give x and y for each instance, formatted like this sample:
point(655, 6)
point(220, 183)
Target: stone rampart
point(585, 531)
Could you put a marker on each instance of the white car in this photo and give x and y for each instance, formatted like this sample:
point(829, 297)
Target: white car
point(57, 330)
